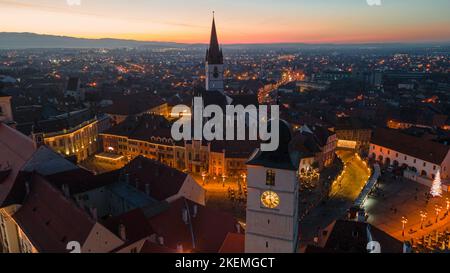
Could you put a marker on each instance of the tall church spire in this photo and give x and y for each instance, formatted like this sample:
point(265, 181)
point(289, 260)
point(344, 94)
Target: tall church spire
point(214, 54)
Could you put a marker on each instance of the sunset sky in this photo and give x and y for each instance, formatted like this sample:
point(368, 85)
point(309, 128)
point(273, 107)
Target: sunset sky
point(238, 21)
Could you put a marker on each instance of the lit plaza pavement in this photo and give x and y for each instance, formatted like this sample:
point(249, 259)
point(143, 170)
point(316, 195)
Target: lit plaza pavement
point(229, 194)
point(98, 167)
point(344, 191)
point(403, 203)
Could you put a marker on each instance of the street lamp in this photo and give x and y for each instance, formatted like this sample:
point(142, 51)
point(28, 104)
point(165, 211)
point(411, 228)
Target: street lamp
point(438, 210)
point(423, 216)
point(223, 179)
point(203, 177)
point(404, 222)
point(244, 176)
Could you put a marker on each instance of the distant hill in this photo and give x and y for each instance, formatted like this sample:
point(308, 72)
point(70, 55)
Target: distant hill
point(15, 40)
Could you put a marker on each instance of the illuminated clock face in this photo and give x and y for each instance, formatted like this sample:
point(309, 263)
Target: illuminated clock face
point(270, 199)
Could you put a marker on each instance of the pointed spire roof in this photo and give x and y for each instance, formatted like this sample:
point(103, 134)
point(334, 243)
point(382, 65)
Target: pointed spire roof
point(214, 54)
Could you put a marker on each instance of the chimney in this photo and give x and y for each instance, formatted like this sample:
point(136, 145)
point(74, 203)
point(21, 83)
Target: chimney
point(194, 211)
point(180, 248)
point(238, 228)
point(122, 232)
point(137, 183)
point(80, 203)
point(147, 189)
point(94, 213)
point(161, 240)
point(185, 216)
point(66, 190)
point(27, 187)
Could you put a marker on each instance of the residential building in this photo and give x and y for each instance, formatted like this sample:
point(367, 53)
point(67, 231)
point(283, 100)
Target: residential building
point(150, 136)
point(74, 90)
point(316, 146)
point(352, 133)
point(423, 157)
point(74, 134)
point(343, 236)
point(137, 104)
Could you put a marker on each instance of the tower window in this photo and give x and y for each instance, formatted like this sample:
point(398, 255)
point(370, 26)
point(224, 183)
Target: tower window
point(216, 72)
point(267, 244)
point(270, 178)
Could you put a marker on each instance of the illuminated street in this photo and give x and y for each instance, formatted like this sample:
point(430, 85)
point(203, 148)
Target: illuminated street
point(343, 194)
point(354, 177)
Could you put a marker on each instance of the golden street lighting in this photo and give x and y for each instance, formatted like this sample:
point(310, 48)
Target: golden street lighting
point(223, 179)
point(404, 222)
point(423, 216)
point(438, 210)
point(203, 177)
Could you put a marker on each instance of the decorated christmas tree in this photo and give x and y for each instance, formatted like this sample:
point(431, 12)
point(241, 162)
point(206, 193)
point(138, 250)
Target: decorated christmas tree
point(436, 188)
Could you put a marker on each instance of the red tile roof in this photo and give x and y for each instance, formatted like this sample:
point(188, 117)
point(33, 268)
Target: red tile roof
point(234, 243)
point(4, 174)
point(235, 148)
point(81, 180)
point(413, 146)
point(50, 220)
point(133, 104)
point(350, 236)
point(209, 227)
point(163, 181)
point(135, 223)
point(16, 149)
point(144, 128)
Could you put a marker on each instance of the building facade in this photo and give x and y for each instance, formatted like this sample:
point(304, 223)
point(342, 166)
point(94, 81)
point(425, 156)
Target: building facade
point(424, 157)
point(81, 141)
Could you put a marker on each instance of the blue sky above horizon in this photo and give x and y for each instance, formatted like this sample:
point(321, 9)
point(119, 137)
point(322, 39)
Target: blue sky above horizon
point(238, 21)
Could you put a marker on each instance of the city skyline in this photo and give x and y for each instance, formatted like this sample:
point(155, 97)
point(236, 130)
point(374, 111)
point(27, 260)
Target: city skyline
point(238, 22)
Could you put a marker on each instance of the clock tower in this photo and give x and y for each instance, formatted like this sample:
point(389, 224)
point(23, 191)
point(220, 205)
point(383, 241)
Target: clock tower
point(214, 63)
point(272, 204)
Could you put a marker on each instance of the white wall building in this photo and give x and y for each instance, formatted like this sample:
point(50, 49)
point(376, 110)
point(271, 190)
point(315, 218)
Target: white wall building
point(423, 156)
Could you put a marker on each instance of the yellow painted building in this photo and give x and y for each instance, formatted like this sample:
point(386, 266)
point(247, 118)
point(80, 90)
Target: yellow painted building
point(81, 141)
point(12, 238)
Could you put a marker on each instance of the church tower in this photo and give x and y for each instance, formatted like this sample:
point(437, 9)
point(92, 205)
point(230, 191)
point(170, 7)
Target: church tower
point(214, 63)
point(272, 204)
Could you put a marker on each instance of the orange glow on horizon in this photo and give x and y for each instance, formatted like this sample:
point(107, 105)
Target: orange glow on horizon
point(269, 23)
